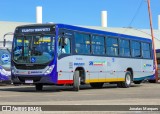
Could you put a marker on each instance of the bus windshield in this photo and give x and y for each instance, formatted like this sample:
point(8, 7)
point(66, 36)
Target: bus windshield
point(5, 59)
point(33, 49)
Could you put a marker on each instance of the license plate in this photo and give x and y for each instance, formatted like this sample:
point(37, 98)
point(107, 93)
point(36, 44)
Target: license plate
point(28, 81)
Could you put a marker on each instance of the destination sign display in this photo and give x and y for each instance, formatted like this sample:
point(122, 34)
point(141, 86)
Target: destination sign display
point(45, 29)
point(35, 30)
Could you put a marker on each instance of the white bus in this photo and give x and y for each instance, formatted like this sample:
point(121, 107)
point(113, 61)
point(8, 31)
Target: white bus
point(63, 54)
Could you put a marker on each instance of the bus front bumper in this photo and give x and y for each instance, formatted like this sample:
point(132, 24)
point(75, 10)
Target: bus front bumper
point(32, 80)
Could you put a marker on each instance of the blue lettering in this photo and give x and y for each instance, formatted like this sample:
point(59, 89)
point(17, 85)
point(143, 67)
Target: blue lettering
point(79, 64)
point(90, 62)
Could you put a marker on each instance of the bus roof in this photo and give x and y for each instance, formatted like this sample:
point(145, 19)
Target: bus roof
point(92, 30)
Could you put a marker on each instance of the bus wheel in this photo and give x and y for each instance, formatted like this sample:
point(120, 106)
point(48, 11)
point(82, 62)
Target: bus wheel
point(127, 82)
point(76, 81)
point(96, 85)
point(39, 87)
point(137, 82)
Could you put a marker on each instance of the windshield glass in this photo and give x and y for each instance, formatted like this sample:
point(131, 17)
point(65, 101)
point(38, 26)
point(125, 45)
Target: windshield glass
point(5, 59)
point(36, 49)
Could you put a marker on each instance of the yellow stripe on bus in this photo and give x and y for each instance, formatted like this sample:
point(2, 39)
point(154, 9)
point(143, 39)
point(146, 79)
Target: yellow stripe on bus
point(105, 80)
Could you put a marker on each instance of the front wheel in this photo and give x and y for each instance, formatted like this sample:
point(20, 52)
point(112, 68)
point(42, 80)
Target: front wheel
point(127, 82)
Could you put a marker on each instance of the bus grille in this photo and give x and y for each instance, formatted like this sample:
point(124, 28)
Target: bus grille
point(35, 79)
point(30, 67)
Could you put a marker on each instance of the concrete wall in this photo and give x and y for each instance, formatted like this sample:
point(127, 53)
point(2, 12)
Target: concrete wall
point(6, 27)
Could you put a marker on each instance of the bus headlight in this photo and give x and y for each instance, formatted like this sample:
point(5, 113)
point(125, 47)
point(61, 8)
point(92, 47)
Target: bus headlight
point(49, 70)
point(3, 72)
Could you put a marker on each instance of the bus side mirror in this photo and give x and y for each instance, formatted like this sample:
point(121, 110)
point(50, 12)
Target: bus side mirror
point(4, 42)
point(4, 39)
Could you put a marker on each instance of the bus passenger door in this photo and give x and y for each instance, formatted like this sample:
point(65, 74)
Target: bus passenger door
point(64, 62)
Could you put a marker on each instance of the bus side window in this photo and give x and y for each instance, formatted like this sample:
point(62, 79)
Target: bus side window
point(65, 48)
point(82, 43)
point(146, 50)
point(136, 49)
point(112, 46)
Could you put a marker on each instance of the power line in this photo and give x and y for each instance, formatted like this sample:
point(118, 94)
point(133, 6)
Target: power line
point(137, 11)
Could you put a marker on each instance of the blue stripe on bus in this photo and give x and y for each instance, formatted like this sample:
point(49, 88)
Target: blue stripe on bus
point(145, 77)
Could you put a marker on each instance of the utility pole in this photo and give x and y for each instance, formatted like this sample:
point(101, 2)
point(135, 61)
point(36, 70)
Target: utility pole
point(153, 44)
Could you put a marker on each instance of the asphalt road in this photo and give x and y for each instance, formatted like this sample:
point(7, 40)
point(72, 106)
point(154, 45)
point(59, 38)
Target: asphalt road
point(143, 94)
point(109, 94)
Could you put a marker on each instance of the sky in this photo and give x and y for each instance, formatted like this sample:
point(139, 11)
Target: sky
point(121, 13)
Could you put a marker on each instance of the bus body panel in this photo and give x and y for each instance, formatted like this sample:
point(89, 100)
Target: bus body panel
point(104, 69)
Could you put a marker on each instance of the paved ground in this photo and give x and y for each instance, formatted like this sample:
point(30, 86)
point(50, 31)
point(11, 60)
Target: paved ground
point(143, 94)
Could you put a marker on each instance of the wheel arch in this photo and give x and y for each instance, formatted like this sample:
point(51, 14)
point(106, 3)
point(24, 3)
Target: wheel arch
point(82, 73)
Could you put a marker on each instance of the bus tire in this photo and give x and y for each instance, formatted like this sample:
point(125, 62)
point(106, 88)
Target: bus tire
point(137, 82)
point(127, 82)
point(76, 81)
point(96, 85)
point(39, 87)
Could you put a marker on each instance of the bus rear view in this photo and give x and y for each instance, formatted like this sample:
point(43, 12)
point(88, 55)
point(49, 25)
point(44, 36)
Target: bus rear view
point(33, 57)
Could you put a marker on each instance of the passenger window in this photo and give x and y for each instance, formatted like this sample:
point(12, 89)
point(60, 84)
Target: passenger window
point(124, 48)
point(136, 49)
point(98, 45)
point(112, 46)
point(82, 43)
point(64, 45)
point(146, 53)
point(67, 47)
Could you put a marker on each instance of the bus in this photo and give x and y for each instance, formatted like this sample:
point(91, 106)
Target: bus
point(60, 54)
point(5, 65)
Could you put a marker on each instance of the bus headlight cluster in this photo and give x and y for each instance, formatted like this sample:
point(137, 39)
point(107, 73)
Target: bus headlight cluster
point(49, 70)
point(3, 72)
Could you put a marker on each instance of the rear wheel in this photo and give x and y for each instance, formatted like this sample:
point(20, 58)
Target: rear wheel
point(96, 85)
point(127, 82)
point(39, 87)
point(76, 81)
